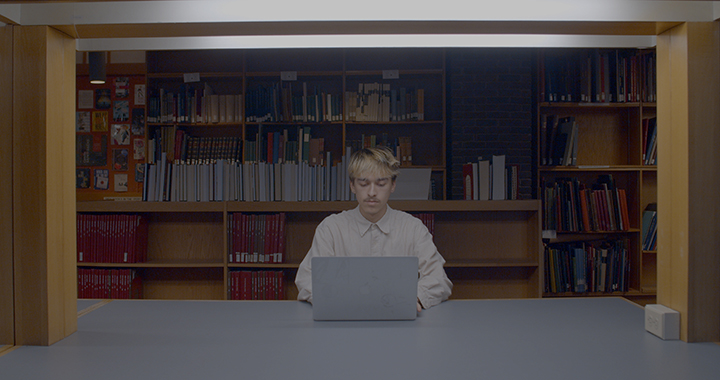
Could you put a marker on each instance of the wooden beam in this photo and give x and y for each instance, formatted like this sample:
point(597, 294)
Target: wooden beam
point(43, 185)
point(689, 176)
point(363, 27)
point(7, 322)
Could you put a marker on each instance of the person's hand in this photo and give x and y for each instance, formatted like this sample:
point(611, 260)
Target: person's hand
point(419, 306)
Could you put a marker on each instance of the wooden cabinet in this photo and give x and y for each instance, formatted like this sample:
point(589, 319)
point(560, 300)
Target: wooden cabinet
point(492, 248)
point(611, 142)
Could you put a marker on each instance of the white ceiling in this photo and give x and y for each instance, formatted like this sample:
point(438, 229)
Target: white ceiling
point(146, 25)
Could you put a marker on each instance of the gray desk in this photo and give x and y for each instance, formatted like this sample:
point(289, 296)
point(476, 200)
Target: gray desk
point(492, 339)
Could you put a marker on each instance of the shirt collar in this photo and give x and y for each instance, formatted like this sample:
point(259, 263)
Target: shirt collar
point(384, 224)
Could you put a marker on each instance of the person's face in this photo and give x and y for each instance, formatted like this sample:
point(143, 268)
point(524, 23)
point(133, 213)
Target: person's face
point(372, 194)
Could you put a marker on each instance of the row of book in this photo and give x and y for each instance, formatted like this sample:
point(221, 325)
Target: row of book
point(599, 266)
point(598, 75)
point(292, 102)
point(194, 105)
point(269, 146)
point(649, 141)
point(490, 179)
point(256, 285)
point(380, 102)
point(179, 146)
point(572, 206)
point(234, 181)
point(109, 283)
point(112, 238)
point(401, 146)
point(649, 227)
point(256, 238)
point(558, 140)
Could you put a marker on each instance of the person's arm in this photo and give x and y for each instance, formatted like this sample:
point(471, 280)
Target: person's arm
point(433, 284)
point(321, 246)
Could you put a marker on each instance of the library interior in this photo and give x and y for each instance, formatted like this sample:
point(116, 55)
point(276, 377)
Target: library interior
point(561, 154)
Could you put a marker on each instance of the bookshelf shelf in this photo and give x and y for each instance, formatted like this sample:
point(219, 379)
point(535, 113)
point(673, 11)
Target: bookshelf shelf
point(188, 242)
point(160, 264)
point(591, 149)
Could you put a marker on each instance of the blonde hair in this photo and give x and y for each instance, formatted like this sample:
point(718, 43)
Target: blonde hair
point(379, 161)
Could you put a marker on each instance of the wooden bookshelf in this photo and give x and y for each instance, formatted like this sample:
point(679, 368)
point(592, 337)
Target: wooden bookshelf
point(492, 248)
point(609, 142)
point(336, 72)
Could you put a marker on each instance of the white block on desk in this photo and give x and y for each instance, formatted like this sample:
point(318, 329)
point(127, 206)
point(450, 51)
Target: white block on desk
point(662, 321)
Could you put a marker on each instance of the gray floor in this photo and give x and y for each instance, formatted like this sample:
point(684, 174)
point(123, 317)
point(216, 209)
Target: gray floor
point(601, 338)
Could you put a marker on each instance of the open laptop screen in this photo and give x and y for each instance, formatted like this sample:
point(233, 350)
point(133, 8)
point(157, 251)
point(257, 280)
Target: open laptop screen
point(364, 288)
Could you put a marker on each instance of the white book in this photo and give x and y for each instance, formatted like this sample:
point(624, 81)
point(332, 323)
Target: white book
point(498, 177)
point(190, 182)
point(262, 182)
point(230, 181)
point(160, 184)
point(204, 182)
point(476, 181)
point(174, 196)
point(278, 170)
point(150, 182)
point(247, 182)
point(289, 179)
point(483, 180)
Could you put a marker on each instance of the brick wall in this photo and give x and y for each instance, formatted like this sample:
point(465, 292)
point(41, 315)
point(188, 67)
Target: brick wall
point(490, 111)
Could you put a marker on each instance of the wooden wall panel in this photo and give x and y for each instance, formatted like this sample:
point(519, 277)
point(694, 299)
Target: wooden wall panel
point(688, 137)
point(7, 329)
point(43, 186)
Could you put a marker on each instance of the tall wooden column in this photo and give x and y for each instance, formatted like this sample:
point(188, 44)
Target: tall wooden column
point(7, 320)
point(689, 177)
point(44, 185)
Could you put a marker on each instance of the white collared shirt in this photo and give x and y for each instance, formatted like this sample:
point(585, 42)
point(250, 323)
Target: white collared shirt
point(397, 233)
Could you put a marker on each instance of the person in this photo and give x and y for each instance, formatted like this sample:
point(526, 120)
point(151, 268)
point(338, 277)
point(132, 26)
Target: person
point(374, 229)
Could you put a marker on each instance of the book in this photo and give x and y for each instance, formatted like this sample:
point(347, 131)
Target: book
point(468, 181)
point(498, 183)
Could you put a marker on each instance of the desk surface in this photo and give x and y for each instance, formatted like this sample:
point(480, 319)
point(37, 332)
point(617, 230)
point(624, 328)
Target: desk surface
point(597, 338)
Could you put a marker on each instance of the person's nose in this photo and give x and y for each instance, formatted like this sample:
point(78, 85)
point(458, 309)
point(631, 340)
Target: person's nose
point(372, 190)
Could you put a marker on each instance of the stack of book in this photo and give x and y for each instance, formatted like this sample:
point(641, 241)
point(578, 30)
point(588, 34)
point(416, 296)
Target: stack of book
point(600, 266)
point(256, 238)
point(256, 285)
point(401, 146)
point(649, 136)
point(109, 283)
point(558, 140)
point(649, 227)
point(194, 105)
point(291, 102)
point(111, 238)
point(597, 75)
point(490, 179)
point(224, 180)
point(570, 206)
point(379, 102)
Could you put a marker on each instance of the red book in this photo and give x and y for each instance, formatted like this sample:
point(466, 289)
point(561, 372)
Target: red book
point(468, 181)
point(270, 138)
point(281, 238)
point(245, 285)
point(281, 285)
point(584, 210)
point(624, 209)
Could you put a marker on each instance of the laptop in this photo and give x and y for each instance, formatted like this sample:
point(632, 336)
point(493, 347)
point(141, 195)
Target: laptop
point(364, 288)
